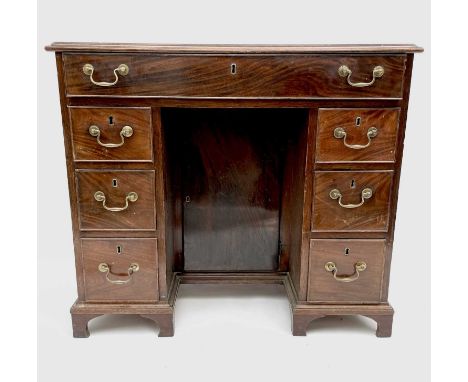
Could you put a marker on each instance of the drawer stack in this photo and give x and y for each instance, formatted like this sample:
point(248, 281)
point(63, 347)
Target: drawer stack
point(351, 204)
point(116, 206)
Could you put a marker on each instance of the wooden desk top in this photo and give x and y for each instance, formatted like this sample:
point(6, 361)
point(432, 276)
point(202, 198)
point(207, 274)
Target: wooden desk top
point(233, 49)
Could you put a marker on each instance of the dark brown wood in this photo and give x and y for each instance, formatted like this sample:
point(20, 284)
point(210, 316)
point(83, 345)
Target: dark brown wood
point(231, 188)
point(140, 215)
point(161, 313)
point(119, 254)
point(164, 321)
point(70, 175)
point(213, 76)
point(373, 215)
point(263, 144)
point(323, 287)
point(80, 324)
point(223, 103)
point(356, 123)
point(233, 48)
point(172, 162)
point(396, 177)
point(110, 122)
point(300, 323)
point(232, 277)
point(384, 324)
point(381, 314)
point(292, 201)
point(165, 242)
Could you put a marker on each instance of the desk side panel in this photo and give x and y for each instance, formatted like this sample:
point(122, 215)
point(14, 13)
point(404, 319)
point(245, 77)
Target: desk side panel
point(67, 140)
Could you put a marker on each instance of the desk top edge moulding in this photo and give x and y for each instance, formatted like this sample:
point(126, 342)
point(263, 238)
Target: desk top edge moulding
point(238, 164)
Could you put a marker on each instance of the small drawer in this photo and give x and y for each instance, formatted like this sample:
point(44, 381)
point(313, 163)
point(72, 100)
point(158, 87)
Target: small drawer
point(357, 135)
point(219, 76)
point(116, 200)
point(120, 269)
point(346, 271)
point(111, 134)
point(351, 201)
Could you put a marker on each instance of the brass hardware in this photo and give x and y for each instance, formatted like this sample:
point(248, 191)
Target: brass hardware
point(122, 69)
point(339, 133)
point(360, 266)
point(365, 194)
point(100, 197)
point(344, 71)
point(105, 268)
point(126, 132)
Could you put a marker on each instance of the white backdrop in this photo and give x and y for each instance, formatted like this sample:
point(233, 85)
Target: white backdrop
point(232, 333)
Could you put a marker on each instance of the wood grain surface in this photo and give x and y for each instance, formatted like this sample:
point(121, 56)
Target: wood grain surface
point(143, 284)
point(328, 215)
point(110, 122)
point(212, 76)
point(366, 289)
point(231, 188)
point(356, 123)
point(140, 215)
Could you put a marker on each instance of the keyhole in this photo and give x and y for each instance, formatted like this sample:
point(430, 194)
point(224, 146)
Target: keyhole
point(119, 249)
point(346, 251)
point(233, 68)
point(353, 184)
point(114, 182)
point(358, 121)
point(111, 120)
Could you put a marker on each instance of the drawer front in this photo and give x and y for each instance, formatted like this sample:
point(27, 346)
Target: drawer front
point(111, 134)
point(107, 200)
point(120, 269)
point(290, 76)
point(346, 271)
point(351, 200)
point(357, 135)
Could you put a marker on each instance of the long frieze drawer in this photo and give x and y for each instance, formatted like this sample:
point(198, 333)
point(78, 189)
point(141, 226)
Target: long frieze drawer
point(357, 135)
point(289, 76)
point(120, 269)
point(351, 201)
point(116, 200)
point(111, 134)
point(346, 271)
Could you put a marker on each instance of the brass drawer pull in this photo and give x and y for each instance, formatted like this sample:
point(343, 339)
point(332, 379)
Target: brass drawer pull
point(360, 266)
point(103, 267)
point(100, 197)
point(339, 133)
point(365, 194)
point(344, 71)
point(126, 132)
point(122, 69)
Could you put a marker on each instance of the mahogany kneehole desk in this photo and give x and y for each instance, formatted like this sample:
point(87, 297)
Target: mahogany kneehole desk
point(233, 164)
